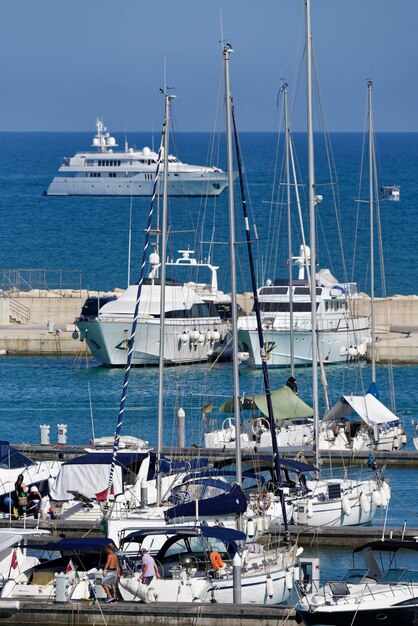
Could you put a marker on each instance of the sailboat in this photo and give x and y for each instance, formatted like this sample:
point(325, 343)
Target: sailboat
point(329, 502)
point(285, 304)
point(379, 428)
point(266, 574)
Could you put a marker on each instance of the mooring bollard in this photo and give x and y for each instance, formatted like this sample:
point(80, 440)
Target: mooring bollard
point(62, 433)
point(45, 428)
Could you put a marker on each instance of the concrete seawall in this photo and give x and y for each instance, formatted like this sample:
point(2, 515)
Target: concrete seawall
point(25, 318)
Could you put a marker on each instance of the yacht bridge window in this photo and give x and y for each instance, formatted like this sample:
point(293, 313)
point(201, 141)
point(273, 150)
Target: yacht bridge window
point(284, 307)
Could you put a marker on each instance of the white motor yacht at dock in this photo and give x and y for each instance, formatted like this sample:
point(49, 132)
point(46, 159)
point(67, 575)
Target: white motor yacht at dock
point(130, 172)
point(195, 331)
point(342, 335)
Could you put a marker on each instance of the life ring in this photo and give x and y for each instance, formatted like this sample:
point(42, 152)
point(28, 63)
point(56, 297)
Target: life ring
point(216, 560)
point(263, 502)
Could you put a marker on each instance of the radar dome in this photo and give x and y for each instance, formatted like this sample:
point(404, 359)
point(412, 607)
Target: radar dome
point(96, 141)
point(111, 141)
point(146, 151)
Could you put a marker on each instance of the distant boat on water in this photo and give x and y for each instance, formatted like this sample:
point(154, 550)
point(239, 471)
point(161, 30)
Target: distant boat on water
point(130, 172)
point(390, 192)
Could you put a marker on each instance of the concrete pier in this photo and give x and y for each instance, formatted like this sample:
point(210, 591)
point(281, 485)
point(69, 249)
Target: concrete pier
point(396, 458)
point(39, 613)
point(25, 317)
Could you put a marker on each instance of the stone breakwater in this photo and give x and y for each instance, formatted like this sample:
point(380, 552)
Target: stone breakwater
point(41, 322)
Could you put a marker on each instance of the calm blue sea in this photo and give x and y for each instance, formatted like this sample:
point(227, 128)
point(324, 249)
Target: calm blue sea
point(90, 235)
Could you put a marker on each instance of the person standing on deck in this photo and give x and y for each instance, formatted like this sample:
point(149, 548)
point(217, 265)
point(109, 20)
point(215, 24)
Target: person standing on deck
point(111, 573)
point(149, 567)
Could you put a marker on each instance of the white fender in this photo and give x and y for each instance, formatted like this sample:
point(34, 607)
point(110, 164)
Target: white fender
point(194, 335)
point(330, 434)
point(383, 496)
point(310, 509)
point(403, 439)
point(364, 503)
point(269, 586)
point(289, 580)
point(216, 335)
point(376, 498)
point(135, 587)
point(184, 337)
point(250, 527)
point(386, 487)
point(201, 338)
point(346, 507)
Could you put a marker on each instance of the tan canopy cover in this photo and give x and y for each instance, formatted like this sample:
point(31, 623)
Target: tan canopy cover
point(286, 404)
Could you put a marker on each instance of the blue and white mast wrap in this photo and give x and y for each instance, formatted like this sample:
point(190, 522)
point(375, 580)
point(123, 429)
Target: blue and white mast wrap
point(136, 313)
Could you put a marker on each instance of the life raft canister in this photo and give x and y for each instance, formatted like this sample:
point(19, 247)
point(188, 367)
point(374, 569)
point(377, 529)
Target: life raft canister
point(216, 560)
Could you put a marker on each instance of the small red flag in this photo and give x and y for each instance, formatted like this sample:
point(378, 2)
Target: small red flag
point(102, 495)
point(14, 564)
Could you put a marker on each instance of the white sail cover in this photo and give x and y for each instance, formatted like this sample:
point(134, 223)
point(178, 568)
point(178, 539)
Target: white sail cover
point(368, 407)
point(87, 479)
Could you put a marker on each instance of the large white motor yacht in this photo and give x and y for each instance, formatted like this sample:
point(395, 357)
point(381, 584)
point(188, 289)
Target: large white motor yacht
point(342, 335)
point(130, 172)
point(195, 329)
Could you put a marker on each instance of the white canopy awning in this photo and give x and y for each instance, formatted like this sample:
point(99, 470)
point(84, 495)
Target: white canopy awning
point(368, 407)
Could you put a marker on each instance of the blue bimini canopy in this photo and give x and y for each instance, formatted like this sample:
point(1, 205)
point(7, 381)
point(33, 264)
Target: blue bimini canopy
point(231, 502)
point(10, 458)
point(227, 535)
point(85, 545)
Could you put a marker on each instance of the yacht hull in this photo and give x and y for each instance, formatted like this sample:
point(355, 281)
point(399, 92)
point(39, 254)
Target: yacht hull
point(345, 510)
point(333, 346)
point(108, 341)
point(186, 184)
point(390, 616)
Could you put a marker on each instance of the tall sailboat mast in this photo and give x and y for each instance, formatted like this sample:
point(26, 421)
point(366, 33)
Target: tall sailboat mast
point(163, 257)
point(289, 233)
point(371, 206)
point(312, 229)
point(234, 318)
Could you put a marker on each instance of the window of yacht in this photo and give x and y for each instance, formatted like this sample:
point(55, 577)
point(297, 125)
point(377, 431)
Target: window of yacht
point(305, 291)
point(284, 307)
point(264, 291)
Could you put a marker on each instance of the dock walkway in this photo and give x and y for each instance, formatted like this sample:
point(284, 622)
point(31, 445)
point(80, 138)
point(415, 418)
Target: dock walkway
point(39, 613)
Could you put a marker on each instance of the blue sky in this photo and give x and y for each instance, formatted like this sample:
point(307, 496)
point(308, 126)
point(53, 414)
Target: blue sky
point(64, 62)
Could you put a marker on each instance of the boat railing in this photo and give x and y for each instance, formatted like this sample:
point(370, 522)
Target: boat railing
point(15, 282)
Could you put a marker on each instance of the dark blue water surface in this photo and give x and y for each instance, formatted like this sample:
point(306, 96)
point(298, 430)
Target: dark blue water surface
point(90, 236)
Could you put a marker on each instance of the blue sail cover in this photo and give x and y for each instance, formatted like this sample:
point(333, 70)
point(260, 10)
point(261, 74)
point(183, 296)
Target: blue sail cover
point(227, 503)
point(12, 458)
point(373, 390)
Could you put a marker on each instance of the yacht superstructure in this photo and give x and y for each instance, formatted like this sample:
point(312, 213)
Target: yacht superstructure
point(130, 172)
point(195, 330)
point(341, 334)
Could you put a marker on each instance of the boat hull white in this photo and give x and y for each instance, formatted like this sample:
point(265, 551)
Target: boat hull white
point(108, 341)
point(141, 184)
point(350, 509)
point(333, 345)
